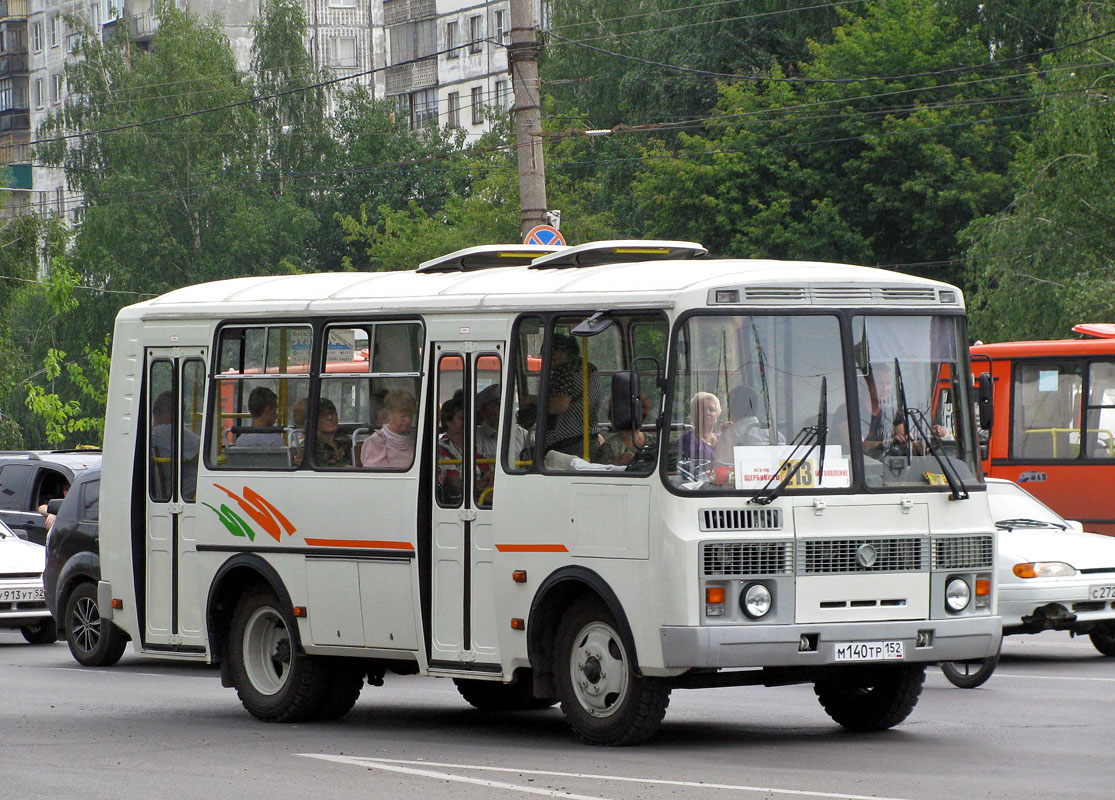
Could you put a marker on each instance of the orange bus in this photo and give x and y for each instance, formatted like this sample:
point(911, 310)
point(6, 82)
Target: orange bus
point(1054, 420)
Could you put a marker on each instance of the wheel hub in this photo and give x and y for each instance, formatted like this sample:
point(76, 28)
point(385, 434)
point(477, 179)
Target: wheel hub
point(599, 670)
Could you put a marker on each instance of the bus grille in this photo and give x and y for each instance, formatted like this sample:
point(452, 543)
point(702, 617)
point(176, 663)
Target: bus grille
point(741, 519)
point(963, 552)
point(747, 558)
point(843, 556)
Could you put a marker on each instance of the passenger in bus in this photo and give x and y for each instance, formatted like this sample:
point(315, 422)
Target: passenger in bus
point(451, 450)
point(263, 405)
point(330, 450)
point(487, 431)
point(700, 443)
point(162, 446)
point(622, 446)
point(882, 430)
point(392, 446)
point(743, 428)
point(566, 429)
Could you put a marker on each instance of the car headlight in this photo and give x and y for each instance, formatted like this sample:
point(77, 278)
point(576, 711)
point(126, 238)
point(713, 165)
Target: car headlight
point(1044, 569)
point(957, 594)
point(756, 600)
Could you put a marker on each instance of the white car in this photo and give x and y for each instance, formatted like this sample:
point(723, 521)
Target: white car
point(22, 601)
point(1052, 576)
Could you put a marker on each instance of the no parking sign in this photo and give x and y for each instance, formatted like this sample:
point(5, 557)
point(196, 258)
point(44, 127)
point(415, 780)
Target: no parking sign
point(544, 234)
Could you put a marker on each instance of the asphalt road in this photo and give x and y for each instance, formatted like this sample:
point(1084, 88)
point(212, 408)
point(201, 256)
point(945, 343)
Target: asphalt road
point(1042, 727)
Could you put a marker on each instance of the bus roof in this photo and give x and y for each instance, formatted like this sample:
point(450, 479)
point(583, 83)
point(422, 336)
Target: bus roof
point(639, 284)
point(1046, 348)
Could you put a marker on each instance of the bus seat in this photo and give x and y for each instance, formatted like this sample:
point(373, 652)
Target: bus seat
point(258, 456)
point(359, 436)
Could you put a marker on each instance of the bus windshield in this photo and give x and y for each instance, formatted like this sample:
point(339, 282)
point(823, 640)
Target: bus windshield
point(753, 394)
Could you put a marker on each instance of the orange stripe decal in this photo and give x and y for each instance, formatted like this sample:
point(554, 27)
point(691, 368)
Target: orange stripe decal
point(532, 548)
point(369, 543)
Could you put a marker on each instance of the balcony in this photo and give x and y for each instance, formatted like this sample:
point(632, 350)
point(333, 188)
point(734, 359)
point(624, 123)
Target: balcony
point(412, 76)
point(16, 176)
point(15, 120)
point(143, 26)
point(13, 64)
point(13, 9)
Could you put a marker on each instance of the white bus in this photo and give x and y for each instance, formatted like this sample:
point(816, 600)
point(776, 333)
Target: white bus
point(587, 476)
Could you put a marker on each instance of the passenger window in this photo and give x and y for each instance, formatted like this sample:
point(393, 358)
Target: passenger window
point(262, 397)
point(452, 431)
point(193, 403)
point(368, 408)
point(90, 501)
point(161, 431)
point(527, 355)
point(1100, 435)
point(1046, 414)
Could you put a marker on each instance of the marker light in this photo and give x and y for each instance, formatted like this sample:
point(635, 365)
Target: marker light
point(756, 600)
point(1044, 569)
point(957, 594)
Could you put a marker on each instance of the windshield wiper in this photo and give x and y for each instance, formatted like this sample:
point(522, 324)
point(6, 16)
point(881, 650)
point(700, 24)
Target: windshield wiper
point(1024, 522)
point(813, 435)
point(925, 432)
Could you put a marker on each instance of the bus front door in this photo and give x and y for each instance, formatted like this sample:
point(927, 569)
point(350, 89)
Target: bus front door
point(172, 605)
point(462, 616)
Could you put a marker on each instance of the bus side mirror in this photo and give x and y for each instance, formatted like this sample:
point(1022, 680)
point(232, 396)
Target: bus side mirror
point(627, 405)
point(985, 390)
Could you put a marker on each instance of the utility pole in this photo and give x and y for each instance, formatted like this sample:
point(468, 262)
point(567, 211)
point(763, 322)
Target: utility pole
point(527, 115)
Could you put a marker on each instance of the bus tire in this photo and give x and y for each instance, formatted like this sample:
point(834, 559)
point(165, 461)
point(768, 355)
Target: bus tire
point(970, 674)
point(495, 696)
point(93, 641)
point(45, 632)
point(274, 681)
point(344, 683)
point(871, 698)
point(1103, 638)
point(604, 699)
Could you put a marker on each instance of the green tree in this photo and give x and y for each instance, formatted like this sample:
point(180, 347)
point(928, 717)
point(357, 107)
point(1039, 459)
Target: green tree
point(1044, 263)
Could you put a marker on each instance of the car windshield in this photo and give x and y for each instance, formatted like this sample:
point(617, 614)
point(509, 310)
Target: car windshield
point(1012, 507)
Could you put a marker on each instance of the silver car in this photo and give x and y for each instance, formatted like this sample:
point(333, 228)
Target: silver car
point(22, 601)
point(1051, 574)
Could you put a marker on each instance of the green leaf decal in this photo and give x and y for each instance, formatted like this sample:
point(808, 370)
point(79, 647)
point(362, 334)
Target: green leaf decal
point(233, 521)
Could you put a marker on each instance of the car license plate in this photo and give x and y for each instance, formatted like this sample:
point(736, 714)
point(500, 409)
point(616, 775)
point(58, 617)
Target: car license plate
point(21, 595)
point(1101, 593)
point(869, 651)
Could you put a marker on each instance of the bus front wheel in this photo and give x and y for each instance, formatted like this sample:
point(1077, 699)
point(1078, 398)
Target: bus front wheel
point(275, 682)
point(603, 697)
point(871, 698)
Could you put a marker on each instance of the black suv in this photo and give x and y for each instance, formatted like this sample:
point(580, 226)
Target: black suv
point(30, 479)
point(73, 568)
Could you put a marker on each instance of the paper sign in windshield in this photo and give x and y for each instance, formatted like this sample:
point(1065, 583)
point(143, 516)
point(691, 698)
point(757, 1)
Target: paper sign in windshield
point(756, 465)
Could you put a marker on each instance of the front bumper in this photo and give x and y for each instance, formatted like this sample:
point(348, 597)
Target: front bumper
point(23, 613)
point(1020, 604)
point(726, 646)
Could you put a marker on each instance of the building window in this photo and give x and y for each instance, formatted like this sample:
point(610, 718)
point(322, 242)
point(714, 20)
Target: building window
point(424, 108)
point(475, 31)
point(36, 37)
point(452, 36)
point(454, 110)
point(56, 88)
point(501, 25)
point(342, 3)
point(503, 97)
point(38, 92)
point(344, 51)
point(95, 15)
point(413, 40)
point(15, 40)
point(477, 105)
point(60, 200)
point(6, 93)
point(54, 31)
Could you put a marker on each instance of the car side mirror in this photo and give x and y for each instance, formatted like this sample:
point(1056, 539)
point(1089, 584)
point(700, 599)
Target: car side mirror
point(627, 405)
point(54, 505)
point(985, 395)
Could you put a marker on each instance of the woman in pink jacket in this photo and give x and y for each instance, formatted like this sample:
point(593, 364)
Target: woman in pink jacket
point(392, 446)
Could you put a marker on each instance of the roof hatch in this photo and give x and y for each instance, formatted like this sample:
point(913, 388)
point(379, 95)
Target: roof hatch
point(620, 251)
point(486, 256)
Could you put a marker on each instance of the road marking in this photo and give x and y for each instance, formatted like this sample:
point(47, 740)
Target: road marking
point(398, 765)
point(1053, 678)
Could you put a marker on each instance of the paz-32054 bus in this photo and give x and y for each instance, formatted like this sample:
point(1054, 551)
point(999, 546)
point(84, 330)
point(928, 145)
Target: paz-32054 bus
point(588, 476)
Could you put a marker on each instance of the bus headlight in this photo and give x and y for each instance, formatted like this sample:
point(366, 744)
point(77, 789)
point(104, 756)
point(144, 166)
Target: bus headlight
point(756, 600)
point(957, 594)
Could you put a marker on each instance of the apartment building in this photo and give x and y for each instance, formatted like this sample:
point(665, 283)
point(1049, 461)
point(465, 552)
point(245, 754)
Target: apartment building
point(443, 62)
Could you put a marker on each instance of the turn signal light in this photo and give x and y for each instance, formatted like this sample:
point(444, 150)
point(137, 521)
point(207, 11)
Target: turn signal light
point(983, 586)
point(519, 576)
point(714, 594)
point(1025, 571)
point(117, 603)
point(518, 624)
point(300, 611)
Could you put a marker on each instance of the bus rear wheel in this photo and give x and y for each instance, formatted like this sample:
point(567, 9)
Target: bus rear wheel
point(275, 682)
point(871, 698)
point(603, 697)
point(494, 696)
